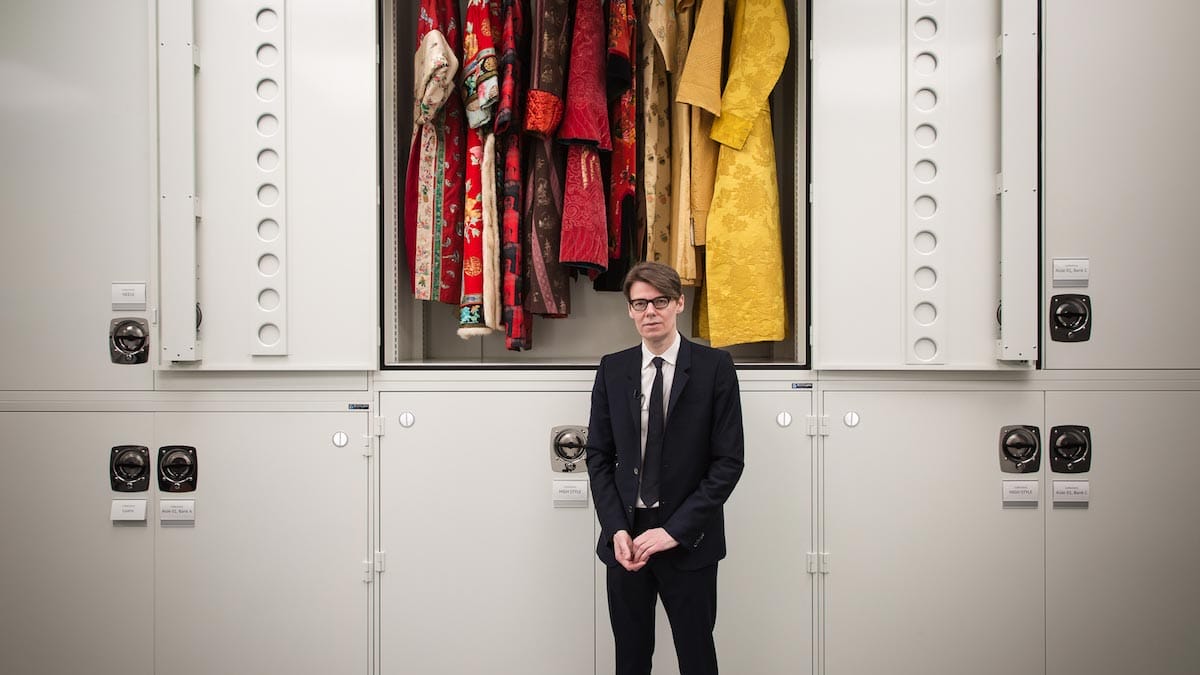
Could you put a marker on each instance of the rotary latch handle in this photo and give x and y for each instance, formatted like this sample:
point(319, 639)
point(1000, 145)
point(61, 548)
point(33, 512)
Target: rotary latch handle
point(568, 447)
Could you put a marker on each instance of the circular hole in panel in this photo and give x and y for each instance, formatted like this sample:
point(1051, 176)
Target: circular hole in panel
point(268, 230)
point(925, 242)
point(925, 171)
point(925, 63)
point(925, 206)
point(926, 135)
point(269, 265)
point(268, 89)
point(925, 277)
point(925, 28)
point(268, 299)
point(925, 100)
point(268, 125)
point(267, 19)
point(268, 195)
point(925, 349)
point(268, 55)
point(268, 334)
point(925, 313)
point(268, 159)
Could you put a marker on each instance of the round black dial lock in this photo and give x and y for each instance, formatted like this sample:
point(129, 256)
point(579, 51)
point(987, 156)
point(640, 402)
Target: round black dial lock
point(1020, 449)
point(177, 468)
point(1071, 315)
point(129, 337)
point(1072, 449)
point(130, 465)
point(129, 468)
point(568, 445)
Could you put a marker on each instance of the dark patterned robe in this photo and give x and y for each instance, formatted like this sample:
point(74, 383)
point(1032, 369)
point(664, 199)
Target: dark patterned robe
point(622, 196)
point(518, 323)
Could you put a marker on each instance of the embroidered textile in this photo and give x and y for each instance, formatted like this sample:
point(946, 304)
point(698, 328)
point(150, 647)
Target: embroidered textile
point(657, 54)
point(518, 323)
point(434, 180)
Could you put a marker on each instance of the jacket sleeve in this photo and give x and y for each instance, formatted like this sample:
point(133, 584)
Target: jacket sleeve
point(726, 460)
point(756, 62)
point(602, 461)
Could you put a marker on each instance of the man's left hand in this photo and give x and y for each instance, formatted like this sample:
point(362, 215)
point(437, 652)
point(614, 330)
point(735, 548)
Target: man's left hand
point(650, 542)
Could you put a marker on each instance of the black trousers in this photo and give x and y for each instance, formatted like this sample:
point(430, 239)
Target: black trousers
point(689, 596)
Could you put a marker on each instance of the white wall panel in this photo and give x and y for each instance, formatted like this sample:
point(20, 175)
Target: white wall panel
point(928, 574)
point(269, 579)
point(1120, 170)
point(76, 589)
point(905, 217)
point(76, 187)
point(485, 574)
point(1121, 589)
point(286, 172)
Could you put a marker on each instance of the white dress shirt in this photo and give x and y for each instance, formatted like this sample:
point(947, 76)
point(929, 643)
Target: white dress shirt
point(669, 357)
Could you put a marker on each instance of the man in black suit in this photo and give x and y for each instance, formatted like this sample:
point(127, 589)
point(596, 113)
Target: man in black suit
point(665, 449)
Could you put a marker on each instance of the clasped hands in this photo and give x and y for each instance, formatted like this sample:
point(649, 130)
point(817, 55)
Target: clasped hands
point(633, 554)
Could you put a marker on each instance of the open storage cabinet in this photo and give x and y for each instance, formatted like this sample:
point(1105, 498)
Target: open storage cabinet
point(417, 333)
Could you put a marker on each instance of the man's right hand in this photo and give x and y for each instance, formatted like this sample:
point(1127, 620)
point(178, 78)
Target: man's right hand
point(623, 548)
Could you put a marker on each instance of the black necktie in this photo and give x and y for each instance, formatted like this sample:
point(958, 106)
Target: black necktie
point(652, 462)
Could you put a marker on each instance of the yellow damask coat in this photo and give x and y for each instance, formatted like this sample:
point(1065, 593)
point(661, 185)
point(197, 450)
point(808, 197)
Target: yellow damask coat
point(744, 290)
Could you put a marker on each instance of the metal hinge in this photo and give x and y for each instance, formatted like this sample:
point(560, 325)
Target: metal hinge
point(368, 571)
point(196, 211)
point(999, 46)
point(818, 425)
point(810, 50)
point(377, 426)
point(810, 193)
point(1000, 183)
point(817, 563)
point(380, 562)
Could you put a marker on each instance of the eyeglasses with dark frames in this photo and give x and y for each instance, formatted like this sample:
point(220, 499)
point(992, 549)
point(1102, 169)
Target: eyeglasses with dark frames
point(640, 304)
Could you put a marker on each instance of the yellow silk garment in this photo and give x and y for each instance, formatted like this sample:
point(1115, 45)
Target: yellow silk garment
point(744, 290)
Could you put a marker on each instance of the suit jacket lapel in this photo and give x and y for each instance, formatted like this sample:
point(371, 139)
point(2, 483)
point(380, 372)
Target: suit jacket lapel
point(682, 365)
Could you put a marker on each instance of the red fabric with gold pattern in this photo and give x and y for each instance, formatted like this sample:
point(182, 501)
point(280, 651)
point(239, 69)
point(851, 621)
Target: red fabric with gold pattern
point(585, 117)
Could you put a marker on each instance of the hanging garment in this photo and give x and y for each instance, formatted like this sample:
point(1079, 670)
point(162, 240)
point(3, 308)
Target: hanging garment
point(433, 194)
point(585, 127)
point(622, 170)
point(547, 290)
point(657, 57)
point(682, 242)
point(700, 86)
point(481, 91)
point(518, 324)
point(744, 256)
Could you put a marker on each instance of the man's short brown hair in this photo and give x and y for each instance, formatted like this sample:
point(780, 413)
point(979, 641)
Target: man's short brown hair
point(662, 277)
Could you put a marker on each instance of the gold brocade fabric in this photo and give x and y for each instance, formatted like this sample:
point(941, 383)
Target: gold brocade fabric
point(744, 289)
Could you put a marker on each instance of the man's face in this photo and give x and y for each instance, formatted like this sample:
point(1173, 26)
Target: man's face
point(653, 323)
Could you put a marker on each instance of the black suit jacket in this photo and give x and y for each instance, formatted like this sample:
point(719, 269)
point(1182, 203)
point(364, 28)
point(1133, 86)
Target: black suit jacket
point(703, 450)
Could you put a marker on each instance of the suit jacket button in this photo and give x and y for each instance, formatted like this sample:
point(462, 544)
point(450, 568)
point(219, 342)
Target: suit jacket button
point(635, 471)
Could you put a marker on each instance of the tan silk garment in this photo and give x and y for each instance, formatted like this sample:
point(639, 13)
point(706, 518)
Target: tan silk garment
point(681, 237)
point(744, 256)
point(657, 53)
point(700, 86)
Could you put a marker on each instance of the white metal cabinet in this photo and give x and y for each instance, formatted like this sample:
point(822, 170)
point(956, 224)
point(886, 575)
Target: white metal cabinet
point(484, 573)
point(271, 124)
point(1120, 172)
point(76, 190)
point(927, 573)
point(270, 578)
point(765, 595)
point(76, 589)
point(1121, 586)
point(907, 227)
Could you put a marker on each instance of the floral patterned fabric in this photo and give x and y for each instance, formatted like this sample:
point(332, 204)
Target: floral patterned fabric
point(433, 226)
point(744, 256)
point(657, 56)
point(682, 256)
point(518, 324)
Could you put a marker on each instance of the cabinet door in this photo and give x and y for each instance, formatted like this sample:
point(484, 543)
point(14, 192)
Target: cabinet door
point(76, 188)
point(269, 577)
point(1120, 172)
point(283, 259)
point(928, 573)
point(76, 588)
point(485, 574)
point(1121, 588)
point(765, 595)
